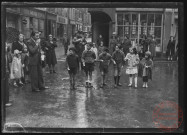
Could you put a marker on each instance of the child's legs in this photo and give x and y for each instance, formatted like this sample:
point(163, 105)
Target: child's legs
point(135, 79)
point(90, 75)
point(145, 79)
point(130, 78)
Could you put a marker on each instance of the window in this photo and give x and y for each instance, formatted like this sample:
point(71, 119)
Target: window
point(135, 25)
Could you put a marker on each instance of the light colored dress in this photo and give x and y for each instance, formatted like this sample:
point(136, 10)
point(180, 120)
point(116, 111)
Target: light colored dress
point(16, 69)
point(133, 61)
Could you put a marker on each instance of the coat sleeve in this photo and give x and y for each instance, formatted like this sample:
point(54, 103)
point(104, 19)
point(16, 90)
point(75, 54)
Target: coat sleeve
point(32, 49)
point(13, 47)
point(83, 56)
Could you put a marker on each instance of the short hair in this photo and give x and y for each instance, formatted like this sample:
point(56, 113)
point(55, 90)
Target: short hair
point(33, 33)
point(72, 48)
point(148, 53)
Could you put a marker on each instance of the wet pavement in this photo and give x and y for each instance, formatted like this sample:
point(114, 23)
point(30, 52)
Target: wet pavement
point(108, 107)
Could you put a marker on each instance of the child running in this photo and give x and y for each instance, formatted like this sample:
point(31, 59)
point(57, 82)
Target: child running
point(72, 61)
point(118, 57)
point(105, 59)
point(132, 69)
point(145, 69)
point(88, 59)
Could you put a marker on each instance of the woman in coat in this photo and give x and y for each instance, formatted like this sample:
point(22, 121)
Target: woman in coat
point(50, 54)
point(145, 44)
point(152, 46)
point(126, 45)
point(171, 48)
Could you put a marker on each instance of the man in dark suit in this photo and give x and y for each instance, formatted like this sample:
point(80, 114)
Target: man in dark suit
point(34, 48)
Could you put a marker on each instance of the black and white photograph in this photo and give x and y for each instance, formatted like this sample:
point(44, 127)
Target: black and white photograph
point(101, 67)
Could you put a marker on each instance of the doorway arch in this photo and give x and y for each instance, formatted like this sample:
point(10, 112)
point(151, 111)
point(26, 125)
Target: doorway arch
point(100, 25)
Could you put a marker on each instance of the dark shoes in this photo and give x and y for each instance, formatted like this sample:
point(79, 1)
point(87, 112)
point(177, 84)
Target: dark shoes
point(36, 90)
point(40, 89)
point(119, 84)
point(43, 88)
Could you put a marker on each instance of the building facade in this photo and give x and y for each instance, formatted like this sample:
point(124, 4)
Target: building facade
point(136, 22)
point(55, 21)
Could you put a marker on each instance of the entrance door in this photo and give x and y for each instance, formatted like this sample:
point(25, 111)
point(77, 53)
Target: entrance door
point(135, 25)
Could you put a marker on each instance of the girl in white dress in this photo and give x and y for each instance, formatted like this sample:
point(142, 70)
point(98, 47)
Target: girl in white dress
point(132, 68)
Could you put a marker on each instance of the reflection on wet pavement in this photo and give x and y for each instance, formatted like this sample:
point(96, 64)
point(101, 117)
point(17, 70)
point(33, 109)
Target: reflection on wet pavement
point(109, 107)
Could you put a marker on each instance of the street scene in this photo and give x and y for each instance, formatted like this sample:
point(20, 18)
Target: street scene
point(89, 67)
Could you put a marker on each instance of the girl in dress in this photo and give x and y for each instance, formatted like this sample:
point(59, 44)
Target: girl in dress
point(132, 69)
point(16, 68)
point(145, 68)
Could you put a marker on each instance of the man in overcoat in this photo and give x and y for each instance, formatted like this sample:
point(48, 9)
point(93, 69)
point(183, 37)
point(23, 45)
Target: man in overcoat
point(36, 76)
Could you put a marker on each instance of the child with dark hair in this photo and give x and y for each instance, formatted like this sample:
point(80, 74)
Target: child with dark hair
point(132, 69)
point(105, 59)
point(118, 57)
point(25, 62)
point(88, 59)
point(145, 69)
point(72, 61)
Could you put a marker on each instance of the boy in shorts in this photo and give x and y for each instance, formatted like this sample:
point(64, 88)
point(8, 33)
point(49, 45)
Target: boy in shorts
point(118, 57)
point(104, 59)
point(72, 61)
point(88, 58)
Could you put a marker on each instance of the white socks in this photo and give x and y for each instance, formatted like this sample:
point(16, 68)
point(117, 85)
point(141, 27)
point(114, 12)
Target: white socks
point(135, 81)
point(130, 79)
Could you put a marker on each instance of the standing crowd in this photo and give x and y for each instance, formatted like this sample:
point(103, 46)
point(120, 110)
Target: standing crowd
point(137, 58)
point(26, 61)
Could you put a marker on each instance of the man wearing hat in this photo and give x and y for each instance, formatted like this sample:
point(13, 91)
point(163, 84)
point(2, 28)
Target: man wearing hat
point(65, 43)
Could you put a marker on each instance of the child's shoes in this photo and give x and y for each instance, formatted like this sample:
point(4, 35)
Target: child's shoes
point(130, 85)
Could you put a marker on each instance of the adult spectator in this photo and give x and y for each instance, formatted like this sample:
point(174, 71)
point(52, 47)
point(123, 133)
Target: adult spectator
point(35, 66)
point(65, 43)
point(19, 44)
point(50, 54)
point(171, 48)
point(145, 44)
point(126, 45)
point(152, 46)
point(112, 43)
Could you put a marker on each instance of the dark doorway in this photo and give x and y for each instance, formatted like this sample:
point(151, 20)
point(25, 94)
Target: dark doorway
point(100, 25)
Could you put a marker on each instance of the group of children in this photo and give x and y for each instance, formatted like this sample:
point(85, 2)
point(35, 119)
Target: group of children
point(135, 68)
point(18, 67)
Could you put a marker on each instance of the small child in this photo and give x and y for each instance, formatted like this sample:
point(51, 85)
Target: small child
point(132, 69)
point(145, 68)
point(105, 59)
point(16, 69)
point(88, 59)
point(118, 57)
point(72, 61)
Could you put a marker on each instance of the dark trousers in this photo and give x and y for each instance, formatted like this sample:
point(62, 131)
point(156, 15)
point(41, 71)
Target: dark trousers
point(145, 78)
point(36, 77)
point(65, 49)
